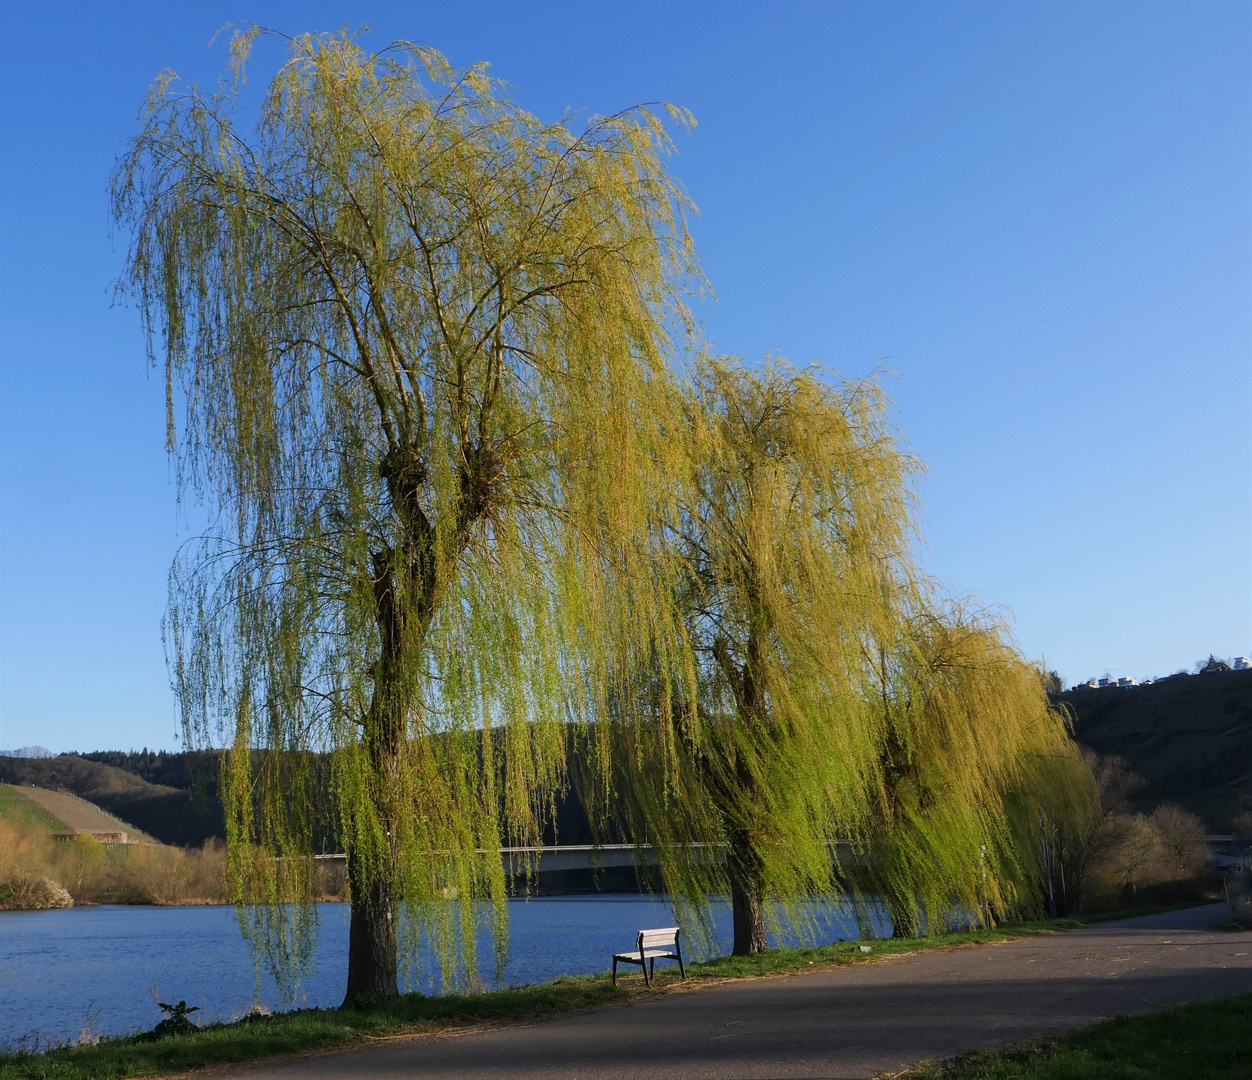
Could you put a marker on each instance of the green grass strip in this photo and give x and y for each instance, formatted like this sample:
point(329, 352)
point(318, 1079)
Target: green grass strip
point(304, 1030)
point(1203, 1040)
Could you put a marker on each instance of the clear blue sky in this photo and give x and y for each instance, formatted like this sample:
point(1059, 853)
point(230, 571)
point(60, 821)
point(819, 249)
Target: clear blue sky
point(1037, 213)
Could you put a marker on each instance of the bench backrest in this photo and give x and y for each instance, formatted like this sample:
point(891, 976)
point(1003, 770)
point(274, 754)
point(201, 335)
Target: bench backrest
point(658, 939)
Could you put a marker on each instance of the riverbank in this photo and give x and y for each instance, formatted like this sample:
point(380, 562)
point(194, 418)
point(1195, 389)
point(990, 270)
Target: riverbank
point(302, 1031)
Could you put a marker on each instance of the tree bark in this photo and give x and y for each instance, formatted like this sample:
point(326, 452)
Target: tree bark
point(372, 955)
point(747, 897)
point(748, 915)
point(373, 959)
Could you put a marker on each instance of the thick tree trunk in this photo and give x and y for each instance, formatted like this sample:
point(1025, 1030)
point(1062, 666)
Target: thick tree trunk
point(373, 958)
point(372, 964)
point(747, 908)
point(747, 896)
point(405, 586)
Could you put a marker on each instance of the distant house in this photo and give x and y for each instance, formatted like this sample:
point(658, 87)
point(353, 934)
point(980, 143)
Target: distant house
point(1241, 663)
point(1127, 682)
point(1214, 666)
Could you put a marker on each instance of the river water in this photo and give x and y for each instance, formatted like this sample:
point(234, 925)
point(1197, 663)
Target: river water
point(100, 970)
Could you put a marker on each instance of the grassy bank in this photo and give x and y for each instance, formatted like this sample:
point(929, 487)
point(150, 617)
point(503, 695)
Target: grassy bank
point(414, 1014)
point(1204, 1040)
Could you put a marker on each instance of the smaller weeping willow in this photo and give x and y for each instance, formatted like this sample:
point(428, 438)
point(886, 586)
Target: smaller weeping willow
point(972, 756)
point(416, 345)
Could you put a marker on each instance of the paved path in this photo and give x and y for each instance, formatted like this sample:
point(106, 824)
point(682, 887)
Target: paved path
point(849, 1022)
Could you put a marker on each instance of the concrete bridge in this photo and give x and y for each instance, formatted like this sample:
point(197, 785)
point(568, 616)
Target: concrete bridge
point(520, 860)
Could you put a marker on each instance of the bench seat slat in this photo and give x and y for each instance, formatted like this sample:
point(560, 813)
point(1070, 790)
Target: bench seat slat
point(637, 955)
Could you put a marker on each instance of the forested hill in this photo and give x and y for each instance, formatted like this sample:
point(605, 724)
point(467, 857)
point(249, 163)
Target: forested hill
point(1188, 736)
point(174, 797)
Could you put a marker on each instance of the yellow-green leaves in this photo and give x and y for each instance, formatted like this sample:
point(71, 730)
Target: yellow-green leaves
point(417, 347)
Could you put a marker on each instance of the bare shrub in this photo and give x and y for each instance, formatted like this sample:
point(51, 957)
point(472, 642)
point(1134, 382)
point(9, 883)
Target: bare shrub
point(20, 891)
point(157, 874)
point(207, 864)
point(332, 879)
point(27, 881)
point(1182, 839)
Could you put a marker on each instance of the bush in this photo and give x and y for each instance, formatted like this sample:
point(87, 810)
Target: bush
point(1133, 859)
point(32, 892)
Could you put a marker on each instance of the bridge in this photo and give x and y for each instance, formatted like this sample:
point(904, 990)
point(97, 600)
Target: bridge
point(542, 860)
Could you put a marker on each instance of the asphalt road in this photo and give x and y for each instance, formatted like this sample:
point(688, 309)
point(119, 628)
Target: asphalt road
point(855, 1021)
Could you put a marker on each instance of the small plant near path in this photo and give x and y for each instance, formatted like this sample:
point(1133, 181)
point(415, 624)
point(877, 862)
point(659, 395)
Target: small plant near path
point(177, 1021)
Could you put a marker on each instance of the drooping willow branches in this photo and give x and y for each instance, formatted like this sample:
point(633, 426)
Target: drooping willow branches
point(416, 343)
point(856, 736)
point(419, 349)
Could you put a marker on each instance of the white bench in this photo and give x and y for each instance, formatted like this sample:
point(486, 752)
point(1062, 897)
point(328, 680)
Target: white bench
point(651, 946)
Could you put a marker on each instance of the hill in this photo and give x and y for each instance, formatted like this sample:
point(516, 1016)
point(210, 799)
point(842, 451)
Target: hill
point(172, 815)
point(1188, 736)
point(40, 810)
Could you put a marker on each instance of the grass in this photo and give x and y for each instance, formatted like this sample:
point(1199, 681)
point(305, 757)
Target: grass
point(20, 811)
point(1203, 1040)
point(307, 1030)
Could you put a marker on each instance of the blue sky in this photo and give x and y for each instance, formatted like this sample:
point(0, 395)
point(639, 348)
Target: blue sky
point(1035, 214)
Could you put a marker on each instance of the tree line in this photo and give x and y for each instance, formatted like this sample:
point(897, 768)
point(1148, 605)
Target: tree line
point(478, 493)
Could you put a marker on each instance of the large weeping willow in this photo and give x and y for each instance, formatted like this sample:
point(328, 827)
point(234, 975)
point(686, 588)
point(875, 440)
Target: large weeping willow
point(415, 349)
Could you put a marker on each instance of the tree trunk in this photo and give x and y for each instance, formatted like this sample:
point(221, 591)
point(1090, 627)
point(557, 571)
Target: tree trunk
point(747, 896)
point(373, 958)
point(748, 911)
point(904, 920)
point(405, 587)
point(372, 964)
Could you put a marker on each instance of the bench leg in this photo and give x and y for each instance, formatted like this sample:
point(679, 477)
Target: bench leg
point(652, 969)
point(615, 971)
point(681, 970)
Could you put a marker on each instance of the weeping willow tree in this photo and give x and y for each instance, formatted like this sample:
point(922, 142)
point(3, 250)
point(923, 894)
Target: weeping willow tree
point(973, 759)
point(792, 536)
point(414, 342)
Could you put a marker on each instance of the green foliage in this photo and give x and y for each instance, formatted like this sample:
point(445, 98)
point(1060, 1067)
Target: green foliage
point(974, 760)
point(790, 535)
point(415, 348)
point(854, 732)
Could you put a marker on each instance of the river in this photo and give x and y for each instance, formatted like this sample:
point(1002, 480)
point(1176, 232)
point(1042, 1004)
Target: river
point(100, 970)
